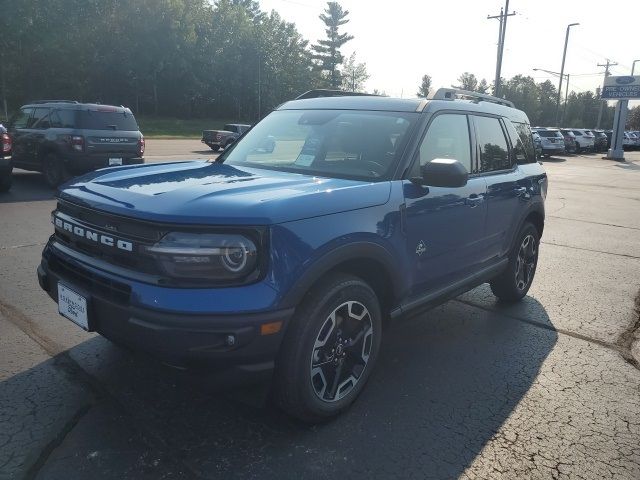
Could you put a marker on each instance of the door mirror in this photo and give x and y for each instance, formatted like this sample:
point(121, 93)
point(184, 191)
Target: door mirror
point(444, 172)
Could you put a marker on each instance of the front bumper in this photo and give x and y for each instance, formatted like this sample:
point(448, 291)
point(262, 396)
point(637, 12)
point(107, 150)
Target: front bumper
point(184, 339)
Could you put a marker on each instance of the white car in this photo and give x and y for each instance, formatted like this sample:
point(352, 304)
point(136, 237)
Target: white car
point(585, 139)
point(630, 141)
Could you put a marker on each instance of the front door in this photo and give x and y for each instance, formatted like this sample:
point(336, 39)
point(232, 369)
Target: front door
point(445, 227)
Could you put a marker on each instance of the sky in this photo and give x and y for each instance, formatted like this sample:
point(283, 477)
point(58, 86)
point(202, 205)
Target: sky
point(401, 40)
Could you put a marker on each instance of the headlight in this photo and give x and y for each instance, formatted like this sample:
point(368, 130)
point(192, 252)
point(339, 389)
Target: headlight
point(206, 256)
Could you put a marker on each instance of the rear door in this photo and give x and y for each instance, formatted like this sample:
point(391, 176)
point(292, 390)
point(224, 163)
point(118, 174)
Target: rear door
point(445, 227)
point(501, 149)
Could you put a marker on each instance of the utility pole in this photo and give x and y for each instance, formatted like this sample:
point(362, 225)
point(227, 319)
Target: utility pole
point(606, 74)
point(502, 30)
point(564, 57)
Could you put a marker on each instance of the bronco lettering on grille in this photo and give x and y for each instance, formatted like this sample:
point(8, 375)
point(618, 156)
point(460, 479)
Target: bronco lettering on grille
point(95, 237)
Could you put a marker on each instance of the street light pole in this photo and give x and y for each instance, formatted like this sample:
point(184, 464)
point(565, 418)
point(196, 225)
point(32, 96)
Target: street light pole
point(564, 57)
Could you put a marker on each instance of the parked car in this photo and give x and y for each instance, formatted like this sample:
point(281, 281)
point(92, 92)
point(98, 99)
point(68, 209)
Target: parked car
point(631, 141)
point(294, 259)
point(537, 143)
point(570, 143)
point(636, 134)
point(552, 141)
point(6, 166)
point(217, 139)
point(600, 140)
point(584, 139)
point(62, 138)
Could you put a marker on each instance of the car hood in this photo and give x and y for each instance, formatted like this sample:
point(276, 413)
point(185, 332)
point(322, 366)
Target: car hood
point(197, 192)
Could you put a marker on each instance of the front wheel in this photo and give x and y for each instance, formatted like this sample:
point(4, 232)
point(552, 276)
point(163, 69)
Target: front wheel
point(215, 148)
point(329, 350)
point(514, 282)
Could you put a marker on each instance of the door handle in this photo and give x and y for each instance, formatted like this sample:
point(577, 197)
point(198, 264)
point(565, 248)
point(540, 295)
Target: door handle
point(474, 200)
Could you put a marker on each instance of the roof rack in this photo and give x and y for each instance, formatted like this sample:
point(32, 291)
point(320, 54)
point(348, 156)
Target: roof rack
point(320, 92)
point(453, 93)
point(38, 102)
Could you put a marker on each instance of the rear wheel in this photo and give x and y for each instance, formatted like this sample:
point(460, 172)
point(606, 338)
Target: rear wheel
point(514, 282)
point(228, 144)
point(329, 350)
point(54, 170)
point(215, 148)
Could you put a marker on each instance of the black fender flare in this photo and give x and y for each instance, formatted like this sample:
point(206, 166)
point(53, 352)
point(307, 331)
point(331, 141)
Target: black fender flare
point(358, 250)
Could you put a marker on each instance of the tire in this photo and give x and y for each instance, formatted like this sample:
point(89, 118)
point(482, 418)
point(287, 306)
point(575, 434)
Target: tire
point(514, 282)
point(578, 150)
point(311, 356)
point(215, 148)
point(5, 180)
point(228, 144)
point(53, 170)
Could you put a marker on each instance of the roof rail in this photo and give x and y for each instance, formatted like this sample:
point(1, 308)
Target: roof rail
point(37, 102)
point(320, 92)
point(452, 93)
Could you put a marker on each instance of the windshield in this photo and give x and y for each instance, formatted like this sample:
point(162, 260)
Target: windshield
point(332, 143)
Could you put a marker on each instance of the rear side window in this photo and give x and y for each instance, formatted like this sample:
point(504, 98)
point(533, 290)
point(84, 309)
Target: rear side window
point(21, 118)
point(63, 118)
point(577, 133)
point(522, 142)
point(494, 152)
point(447, 137)
point(106, 120)
point(40, 118)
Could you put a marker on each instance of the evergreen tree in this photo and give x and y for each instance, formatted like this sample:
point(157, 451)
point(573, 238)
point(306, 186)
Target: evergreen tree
point(425, 86)
point(327, 51)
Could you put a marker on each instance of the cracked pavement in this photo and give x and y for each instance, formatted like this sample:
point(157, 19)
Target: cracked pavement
point(548, 388)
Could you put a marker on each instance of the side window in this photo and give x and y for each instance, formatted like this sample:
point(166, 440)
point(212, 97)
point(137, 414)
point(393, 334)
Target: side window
point(21, 118)
point(522, 141)
point(39, 118)
point(447, 137)
point(494, 152)
point(63, 118)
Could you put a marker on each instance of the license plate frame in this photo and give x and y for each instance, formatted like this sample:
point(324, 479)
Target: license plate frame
point(73, 306)
point(115, 161)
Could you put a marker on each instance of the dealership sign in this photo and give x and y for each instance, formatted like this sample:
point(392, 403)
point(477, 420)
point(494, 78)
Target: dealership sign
point(621, 88)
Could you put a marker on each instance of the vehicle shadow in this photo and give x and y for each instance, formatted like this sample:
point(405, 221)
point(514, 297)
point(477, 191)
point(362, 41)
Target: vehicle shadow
point(27, 187)
point(444, 384)
point(553, 159)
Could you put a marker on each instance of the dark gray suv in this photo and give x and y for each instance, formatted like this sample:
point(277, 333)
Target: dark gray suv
point(63, 138)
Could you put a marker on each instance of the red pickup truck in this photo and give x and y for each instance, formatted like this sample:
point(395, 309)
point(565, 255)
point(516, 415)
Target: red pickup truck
point(217, 139)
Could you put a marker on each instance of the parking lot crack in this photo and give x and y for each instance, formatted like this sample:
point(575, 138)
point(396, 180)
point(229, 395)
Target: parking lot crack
point(591, 250)
point(630, 336)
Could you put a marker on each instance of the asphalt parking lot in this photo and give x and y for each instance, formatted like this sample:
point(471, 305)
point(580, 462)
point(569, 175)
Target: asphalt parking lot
point(549, 388)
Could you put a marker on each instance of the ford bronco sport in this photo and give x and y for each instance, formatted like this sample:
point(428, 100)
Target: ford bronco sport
point(366, 209)
point(61, 138)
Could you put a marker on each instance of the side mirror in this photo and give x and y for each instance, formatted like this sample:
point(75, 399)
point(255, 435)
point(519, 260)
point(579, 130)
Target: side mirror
point(444, 172)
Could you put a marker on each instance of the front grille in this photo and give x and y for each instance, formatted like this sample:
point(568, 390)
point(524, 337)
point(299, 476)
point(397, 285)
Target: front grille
point(132, 228)
point(100, 286)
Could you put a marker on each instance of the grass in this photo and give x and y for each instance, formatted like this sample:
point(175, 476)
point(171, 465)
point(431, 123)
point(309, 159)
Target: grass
point(159, 127)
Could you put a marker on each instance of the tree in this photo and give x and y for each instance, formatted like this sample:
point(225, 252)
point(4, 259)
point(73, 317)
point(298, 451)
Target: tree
point(483, 86)
point(468, 81)
point(633, 119)
point(327, 51)
point(425, 86)
point(354, 75)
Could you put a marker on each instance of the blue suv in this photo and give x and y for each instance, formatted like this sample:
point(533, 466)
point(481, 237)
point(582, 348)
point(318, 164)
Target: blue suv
point(292, 249)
